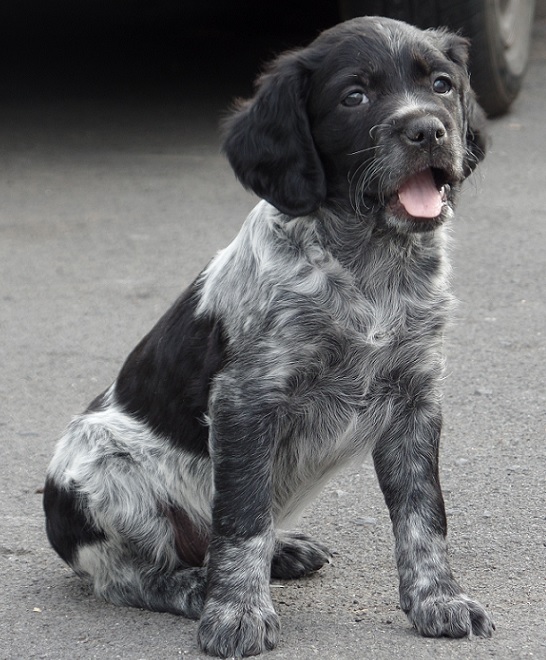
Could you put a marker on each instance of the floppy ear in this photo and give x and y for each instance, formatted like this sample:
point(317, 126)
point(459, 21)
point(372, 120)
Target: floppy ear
point(268, 140)
point(457, 48)
point(476, 137)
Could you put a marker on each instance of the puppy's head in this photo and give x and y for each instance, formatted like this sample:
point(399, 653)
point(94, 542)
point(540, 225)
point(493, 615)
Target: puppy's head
point(375, 116)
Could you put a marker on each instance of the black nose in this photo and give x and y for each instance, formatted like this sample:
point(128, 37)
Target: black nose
point(425, 132)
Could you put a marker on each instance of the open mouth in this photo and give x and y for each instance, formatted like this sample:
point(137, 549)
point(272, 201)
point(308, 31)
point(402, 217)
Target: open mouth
point(422, 196)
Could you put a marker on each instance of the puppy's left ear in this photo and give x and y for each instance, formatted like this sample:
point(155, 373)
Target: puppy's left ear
point(476, 137)
point(457, 48)
point(269, 144)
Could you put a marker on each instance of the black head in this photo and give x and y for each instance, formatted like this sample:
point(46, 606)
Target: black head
point(323, 118)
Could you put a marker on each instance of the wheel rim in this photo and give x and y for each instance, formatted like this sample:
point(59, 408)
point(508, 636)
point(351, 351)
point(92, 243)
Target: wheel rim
point(513, 18)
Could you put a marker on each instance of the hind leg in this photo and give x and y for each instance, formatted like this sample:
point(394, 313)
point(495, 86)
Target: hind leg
point(111, 518)
point(297, 555)
point(127, 580)
point(125, 569)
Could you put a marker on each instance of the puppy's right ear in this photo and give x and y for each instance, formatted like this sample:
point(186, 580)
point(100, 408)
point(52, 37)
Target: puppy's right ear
point(268, 140)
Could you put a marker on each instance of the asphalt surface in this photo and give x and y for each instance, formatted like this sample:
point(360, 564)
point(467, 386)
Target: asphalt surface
point(113, 196)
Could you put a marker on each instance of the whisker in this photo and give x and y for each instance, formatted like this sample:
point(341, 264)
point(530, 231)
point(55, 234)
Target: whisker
point(362, 151)
point(376, 127)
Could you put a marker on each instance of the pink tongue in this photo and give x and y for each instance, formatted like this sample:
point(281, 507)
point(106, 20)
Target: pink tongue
point(420, 197)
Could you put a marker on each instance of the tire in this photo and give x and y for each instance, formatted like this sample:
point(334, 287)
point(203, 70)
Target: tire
point(499, 30)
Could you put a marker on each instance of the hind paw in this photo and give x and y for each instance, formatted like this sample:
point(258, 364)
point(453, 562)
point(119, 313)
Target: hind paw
point(297, 555)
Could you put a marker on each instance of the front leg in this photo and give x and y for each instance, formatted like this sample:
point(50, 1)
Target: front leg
point(406, 461)
point(238, 618)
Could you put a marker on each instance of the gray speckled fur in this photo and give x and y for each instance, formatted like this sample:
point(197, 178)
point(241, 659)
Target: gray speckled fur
point(333, 324)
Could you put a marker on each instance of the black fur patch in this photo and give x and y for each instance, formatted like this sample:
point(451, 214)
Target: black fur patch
point(67, 526)
point(165, 381)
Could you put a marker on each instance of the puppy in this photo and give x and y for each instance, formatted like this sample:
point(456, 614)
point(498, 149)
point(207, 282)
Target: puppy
point(313, 339)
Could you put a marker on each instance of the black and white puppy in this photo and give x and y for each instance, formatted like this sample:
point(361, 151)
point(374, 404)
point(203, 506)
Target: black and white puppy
point(311, 340)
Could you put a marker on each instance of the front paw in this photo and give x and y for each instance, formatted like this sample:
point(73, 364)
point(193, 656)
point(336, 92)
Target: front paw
point(450, 616)
point(238, 629)
point(297, 555)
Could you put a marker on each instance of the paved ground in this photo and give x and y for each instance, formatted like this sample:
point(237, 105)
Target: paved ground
point(112, 197)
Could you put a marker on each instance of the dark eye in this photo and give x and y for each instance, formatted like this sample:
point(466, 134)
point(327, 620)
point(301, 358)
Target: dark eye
point(355, 98)
point(442, 85)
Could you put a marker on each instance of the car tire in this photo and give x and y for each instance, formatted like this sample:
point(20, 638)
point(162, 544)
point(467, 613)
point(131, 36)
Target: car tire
point(499, 30)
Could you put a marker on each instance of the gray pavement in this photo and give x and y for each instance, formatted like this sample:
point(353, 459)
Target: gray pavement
point(112, 198)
